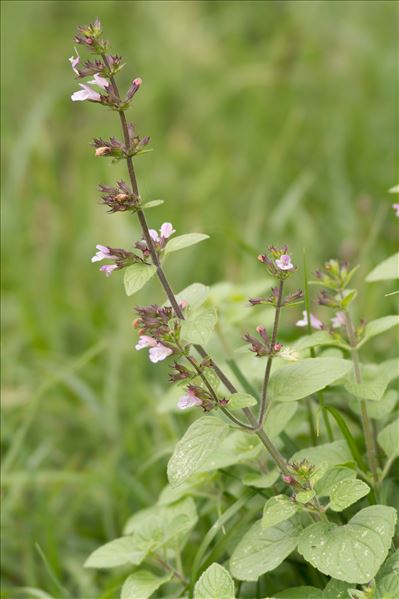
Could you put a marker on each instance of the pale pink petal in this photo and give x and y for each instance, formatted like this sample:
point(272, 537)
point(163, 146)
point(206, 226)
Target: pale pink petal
point(159, 353)
point(338, 320)
point(86, 93)
point(154, 234)
point(188, 401)
point(284, 262)
point(108, 269)
point(74, 60)
point(167, 230)
point(145, 341)
point(315, 323)
point(396, 208)
point(100, 81)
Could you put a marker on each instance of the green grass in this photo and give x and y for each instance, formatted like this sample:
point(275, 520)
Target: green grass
point(271, 122)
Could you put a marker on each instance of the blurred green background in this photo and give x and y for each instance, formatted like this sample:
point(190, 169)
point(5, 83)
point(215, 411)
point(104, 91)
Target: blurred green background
point(271, 122)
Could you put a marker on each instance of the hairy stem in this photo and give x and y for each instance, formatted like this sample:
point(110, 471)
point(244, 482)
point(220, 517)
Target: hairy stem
point(367, 430)
point(263, 401)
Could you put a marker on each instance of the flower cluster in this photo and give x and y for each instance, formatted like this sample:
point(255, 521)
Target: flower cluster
point(262, 347)
point(159, 331)
point(159, 240)
point(119, 198)
point(278, 262)
point(117, 149)
point(121, 258)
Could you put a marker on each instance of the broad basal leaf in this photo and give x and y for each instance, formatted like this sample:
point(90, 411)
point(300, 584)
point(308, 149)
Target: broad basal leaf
point(201, 440)
point(183, 241)
point(277, 509)
point(142, 584)
point(136, 276)
point(388, 438)
point(386, 270)
point(353, 552)
point(303, 378)
point(346, 492)
point(198, 328)
point(263, 549)
point(214, 583)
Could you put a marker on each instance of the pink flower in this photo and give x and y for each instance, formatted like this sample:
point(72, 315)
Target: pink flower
point(146, 341)
point(315, 323)
point(100, 81)
point(159, 352)
point(338, 320)
point(153, 234)
point(189, 401)
point(103, 252)
point(108, 269)
point(167, 230)
point(284, 262)
point(74, 60)
point(396, 208)
point(86, 93)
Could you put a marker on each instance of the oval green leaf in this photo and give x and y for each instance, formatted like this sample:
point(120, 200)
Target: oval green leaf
point(142, 584)
point(136, 276)
point(183, 241)
point(214, 583)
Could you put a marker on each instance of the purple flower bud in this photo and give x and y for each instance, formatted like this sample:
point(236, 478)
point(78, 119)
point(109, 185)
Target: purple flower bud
point(135, 86)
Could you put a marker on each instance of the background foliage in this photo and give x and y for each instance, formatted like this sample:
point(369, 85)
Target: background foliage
point(271, 122)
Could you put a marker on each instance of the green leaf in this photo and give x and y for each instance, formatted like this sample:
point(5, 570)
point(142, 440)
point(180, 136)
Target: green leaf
point(238, 401)
point(336, 589)
point(200, 441)
point(235, 448)
point(378, 410)
point(263, 549)
point(378, 326)
point(278, 417)
point(386, 270)
point(277, 509)
point(350, 440)
point(332, 454)
point(299, 380)
point(335, 475)
point(198, 328)
point(319, 338)
point(388, 439)
point(152, 204)
point(372, 389)
point(125, 550)
point(142, 584)
point(159, 524)
point(183, 241)
point(387, 580)
point(136, 276)
point(214, 583)
point(349, 296)
point(300, 593)
point(305, 496)
point(346, 492)
point(195, 295)
point(353, 552)
point(261, 481)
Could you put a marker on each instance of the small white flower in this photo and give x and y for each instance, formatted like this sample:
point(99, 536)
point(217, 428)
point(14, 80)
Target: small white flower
point(159, 352)
point(146, 341)
point(103, 252)
point(338, 320)
point(289, 354)
point(74, 60)
point(108, 269)
point(188, 401)
point(284, 262)
point(315, 323)
point(86, 93)
point(100, 81)
point(167, 230)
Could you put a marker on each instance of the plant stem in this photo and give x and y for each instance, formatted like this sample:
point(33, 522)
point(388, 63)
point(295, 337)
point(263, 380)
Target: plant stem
point(320, 394)
point(368, 434)
point(263, 401)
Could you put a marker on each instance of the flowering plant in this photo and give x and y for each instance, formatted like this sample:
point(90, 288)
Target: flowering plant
point(319, 513)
